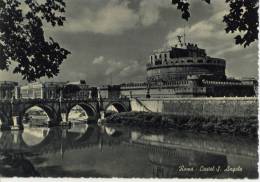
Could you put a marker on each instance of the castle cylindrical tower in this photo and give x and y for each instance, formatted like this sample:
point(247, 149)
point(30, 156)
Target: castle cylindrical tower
point(178, 63)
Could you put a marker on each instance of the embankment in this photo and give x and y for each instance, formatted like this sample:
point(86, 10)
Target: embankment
point(237, 115)
point(220, 107)
point(146, 120)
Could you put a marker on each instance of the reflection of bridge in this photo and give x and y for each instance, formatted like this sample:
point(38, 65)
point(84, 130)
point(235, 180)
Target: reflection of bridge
point(53, 140)
point(13, 111)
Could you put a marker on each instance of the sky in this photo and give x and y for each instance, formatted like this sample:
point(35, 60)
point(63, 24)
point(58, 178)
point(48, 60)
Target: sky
point(111, 40)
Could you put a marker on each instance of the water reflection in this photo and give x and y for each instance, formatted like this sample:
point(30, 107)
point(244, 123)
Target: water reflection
point(189, 155)
point(112, 132)
point(169, 160)
point(16, 164)
point(92, 151)
point(33, 136)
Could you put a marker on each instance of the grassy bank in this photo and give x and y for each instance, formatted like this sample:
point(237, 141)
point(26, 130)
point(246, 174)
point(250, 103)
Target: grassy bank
point(234, 126)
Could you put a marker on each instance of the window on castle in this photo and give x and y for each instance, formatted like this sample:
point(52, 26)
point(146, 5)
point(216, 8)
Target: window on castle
point(200, 61)
point(190, 61)
point(157, 62)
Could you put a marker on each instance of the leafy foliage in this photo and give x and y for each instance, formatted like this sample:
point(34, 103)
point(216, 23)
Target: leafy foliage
point(242, 18)
point(22, 39)
point(184, 7)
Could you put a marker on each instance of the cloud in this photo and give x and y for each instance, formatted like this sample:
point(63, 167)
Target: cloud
point(98, 60)
point(108, 66)
point(5, 76)
point(133, 69)
point(210, 34)
point(119, 70)
point(113, 18)
point(149, 11)
point(202, 31)
point(9, 75)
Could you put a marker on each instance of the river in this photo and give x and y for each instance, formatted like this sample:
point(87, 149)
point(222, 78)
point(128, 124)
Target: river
point(107, 151)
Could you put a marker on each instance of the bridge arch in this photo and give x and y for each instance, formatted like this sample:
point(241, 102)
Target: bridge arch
point(120, 107)
point(87, 108)
point(50, 111)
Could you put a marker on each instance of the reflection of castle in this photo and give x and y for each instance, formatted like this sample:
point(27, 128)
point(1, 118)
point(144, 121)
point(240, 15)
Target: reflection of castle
point(168, 160)
point(188, 71)
point(184, 163)
point(180, 155)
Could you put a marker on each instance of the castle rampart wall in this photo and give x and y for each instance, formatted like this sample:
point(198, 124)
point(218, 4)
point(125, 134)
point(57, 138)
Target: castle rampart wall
point(223, 107)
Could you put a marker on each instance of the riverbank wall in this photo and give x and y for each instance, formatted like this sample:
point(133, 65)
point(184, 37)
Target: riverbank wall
point(220, 107)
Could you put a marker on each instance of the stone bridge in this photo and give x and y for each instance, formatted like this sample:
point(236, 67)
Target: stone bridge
point(13, 111)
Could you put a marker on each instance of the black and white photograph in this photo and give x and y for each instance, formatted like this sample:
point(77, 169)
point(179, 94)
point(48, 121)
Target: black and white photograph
point(129, 89)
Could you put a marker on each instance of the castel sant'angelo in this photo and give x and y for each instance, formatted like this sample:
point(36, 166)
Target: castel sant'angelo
point(186, 70)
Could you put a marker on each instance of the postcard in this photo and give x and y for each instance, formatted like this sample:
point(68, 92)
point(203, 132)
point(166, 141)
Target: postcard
point(129, 89)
